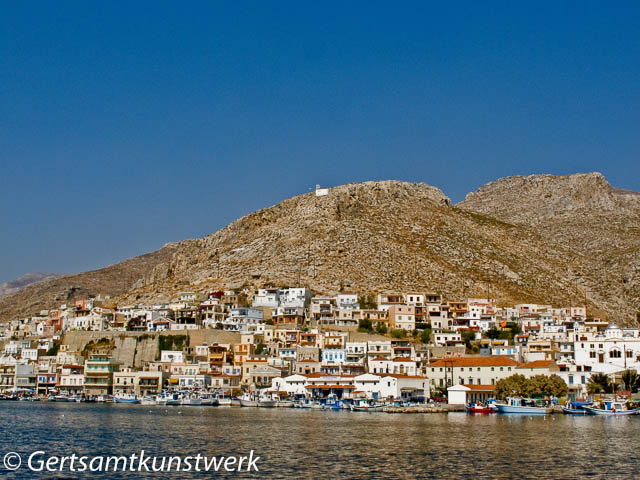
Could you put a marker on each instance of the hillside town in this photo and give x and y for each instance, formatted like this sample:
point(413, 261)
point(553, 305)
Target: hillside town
point(289, 343)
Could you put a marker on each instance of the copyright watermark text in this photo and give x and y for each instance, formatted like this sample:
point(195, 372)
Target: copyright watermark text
point(40, 461)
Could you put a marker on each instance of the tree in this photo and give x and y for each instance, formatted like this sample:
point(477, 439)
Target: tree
point(260, 348)
point(543, 385)
point(425, 335)
point(631, 380)
point(381, 328)
point(515, 385)
point(398, 333)
point(515, 329)
point(368, 302)
point(598, 383)
point(556, 386)
point(365, 325)
point(493, 333)
point(269, 321)
point(467, 338)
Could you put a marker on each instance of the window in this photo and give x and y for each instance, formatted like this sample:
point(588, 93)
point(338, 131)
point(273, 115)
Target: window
point(629, 354)
point(615, 354)
point(592, 354)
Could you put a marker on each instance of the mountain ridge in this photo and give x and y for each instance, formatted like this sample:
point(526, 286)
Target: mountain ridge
point(391, 235)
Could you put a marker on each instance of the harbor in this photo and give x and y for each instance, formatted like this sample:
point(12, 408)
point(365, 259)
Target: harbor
point(310, 443)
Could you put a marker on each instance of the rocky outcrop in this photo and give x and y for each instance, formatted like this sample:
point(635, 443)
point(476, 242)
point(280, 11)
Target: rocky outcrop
point(585, 215)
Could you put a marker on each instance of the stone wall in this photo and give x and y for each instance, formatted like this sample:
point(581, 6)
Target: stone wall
point(137, 348)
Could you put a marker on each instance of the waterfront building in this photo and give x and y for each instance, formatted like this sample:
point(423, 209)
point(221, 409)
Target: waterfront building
point(480, 370)
point(98, 373)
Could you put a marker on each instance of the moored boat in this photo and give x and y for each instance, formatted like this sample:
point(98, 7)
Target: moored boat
point(126, 398)
point(191, 401)
point(575, 408)
point(366, 406)
point(522, 406)
point(480, 408)
point(612, 408)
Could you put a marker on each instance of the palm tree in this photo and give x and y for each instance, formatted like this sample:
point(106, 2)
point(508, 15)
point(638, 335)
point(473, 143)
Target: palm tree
point(598, 383)
point(631, 379)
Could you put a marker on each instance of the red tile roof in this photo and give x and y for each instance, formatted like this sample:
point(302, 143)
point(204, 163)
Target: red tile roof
point(481, 387)
point(330, 386)
point(538, 364)
point(485, 361)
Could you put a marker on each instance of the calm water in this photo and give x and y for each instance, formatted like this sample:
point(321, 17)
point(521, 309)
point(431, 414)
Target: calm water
point(309, 443)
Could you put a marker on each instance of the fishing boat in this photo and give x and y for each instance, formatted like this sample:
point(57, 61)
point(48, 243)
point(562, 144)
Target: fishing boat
point(612, 408)
point(248, 400)
point(303, 403)
point(60, 398)
point(575, 408)
point(480, 408)
point(366, 406)
point(191, 400)
point(126, 398)
point(224, 401)
point(522, 406)
point(148, 400)
point(209, 400)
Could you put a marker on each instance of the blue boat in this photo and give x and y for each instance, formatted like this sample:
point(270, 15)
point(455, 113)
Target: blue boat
point(521, 406)
point(576, 408)
point(126, 398)
point(615, 408)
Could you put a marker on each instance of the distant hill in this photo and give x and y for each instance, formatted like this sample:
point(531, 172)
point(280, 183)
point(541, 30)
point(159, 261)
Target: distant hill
point(561, 240)
point(14, 286)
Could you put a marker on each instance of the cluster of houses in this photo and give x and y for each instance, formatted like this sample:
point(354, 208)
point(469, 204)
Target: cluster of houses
point(289, 341)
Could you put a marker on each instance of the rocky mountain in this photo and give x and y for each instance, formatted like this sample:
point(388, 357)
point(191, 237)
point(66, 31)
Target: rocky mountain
point(585, 214)
point(14, 286)
point(512, 240)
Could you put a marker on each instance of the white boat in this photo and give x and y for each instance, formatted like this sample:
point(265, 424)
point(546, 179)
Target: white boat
point(249, 400)
point(191, 401)
point(59, 398)
point(148, 400)
point(521, 406)
point(284, 404)
point(209, 400)
point(224, 401)
point(366, 406)
point(126, 398)
point(614, 408)
point(168, 398)
point(267, 402)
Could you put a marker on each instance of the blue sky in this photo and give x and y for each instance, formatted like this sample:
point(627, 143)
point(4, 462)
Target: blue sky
point(127, 125)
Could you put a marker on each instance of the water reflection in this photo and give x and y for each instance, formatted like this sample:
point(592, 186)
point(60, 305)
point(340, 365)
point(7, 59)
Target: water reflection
point(311, 443)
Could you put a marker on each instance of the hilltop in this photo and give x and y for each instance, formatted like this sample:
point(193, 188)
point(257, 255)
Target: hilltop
point(519, 239)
